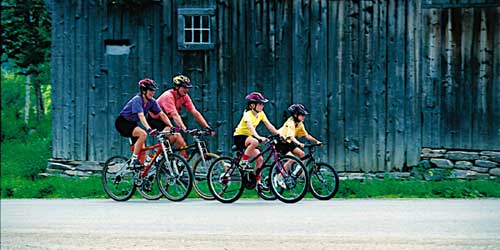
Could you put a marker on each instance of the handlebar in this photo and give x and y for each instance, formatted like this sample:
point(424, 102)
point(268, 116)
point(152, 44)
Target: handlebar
point(204, 131)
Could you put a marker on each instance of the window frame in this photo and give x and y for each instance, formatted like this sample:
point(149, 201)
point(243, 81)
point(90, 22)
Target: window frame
point(182, 13)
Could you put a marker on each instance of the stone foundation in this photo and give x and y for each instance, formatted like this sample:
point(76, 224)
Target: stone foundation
point(439, 164)
point(436, 164)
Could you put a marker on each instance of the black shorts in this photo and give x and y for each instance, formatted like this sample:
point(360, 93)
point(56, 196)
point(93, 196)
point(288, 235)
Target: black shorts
point(285, 147)
point(124, 126)
point(239, 141)
point(156, 123)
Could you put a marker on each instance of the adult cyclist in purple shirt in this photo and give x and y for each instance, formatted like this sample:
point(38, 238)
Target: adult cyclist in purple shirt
point(127, 123)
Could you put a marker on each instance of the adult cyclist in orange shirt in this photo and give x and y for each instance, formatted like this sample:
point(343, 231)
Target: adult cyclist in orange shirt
point(171, 102)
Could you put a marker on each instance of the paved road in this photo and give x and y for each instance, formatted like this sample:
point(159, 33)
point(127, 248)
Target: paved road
point(251, 224)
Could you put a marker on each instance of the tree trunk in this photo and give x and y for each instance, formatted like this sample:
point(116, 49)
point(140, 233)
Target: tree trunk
point(27, 100)
point(40, 111)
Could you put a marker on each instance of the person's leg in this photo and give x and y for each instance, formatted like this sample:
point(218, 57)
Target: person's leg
point(139, 144)
point(178, 141)
point(298, 152)
point(250, 144)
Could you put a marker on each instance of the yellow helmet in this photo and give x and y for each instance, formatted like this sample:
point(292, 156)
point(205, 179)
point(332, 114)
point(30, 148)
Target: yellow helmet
point(182, 81)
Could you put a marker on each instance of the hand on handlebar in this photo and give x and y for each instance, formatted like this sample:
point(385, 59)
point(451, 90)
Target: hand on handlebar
point(152, 132)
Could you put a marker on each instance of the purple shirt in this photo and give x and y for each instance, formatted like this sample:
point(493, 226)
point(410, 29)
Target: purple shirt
point(136, 105)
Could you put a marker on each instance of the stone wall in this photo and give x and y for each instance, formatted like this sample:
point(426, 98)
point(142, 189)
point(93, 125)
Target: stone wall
point(436, 164)
point(457, 164)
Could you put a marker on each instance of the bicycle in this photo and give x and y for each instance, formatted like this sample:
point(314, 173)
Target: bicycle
point(323, 179)
point(287, 178)
point(172, 174)
point(201, 164)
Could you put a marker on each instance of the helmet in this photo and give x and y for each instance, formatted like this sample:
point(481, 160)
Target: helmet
point(147, 84)
point(182, 80)
point(256, 97)
point(298, 108)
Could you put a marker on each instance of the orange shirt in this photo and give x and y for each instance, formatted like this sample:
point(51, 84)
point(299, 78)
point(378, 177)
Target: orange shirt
point(170, 102)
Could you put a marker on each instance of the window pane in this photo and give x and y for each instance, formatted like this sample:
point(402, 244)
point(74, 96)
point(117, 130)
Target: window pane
point(196, 36)
point(205, 36)
point(196, 21)
point(188, 22)
point(188, 36)
point(205, 22)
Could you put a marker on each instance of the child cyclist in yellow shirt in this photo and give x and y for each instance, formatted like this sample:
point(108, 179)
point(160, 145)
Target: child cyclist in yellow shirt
point(245, 135)
point(294, 128)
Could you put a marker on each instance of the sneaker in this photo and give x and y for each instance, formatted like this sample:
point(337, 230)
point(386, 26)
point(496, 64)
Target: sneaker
point(243, 164)
point(278, 181)
point(263, 184)
point(135, 164)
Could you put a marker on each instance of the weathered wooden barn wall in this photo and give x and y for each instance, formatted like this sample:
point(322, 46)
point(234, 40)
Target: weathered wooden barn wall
point(357, 65)
point(461, 80)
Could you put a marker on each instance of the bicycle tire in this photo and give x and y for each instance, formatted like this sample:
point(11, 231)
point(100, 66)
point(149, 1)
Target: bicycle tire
point(169, 183)
point(200, 173)
point(118, 189)
point(323, 177)
point(218, 184)
point(150, 180)
point(263, 188)
point(298, 184)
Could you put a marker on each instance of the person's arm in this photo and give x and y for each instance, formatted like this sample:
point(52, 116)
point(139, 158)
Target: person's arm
point(296, 141)
point(178, 120)
point(199, 118)
point(165, 119)
point(143, 120)
point(310, 138)
point(254, 132)
point(271, 127)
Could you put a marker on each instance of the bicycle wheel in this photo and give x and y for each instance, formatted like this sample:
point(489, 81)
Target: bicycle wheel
point(175, 187)
point(225, 180)
point(323, 180)
point(118, 178)
point(263, 187)
point(289, 179)
point(200, 172)
point(150, 189)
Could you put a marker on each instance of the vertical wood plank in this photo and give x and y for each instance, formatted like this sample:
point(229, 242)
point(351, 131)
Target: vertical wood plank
point(352, 105)
point(412, 114)
point(334, 139)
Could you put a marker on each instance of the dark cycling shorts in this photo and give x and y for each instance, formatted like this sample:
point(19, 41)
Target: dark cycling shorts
point(124, 126)
point(156, 123)
point(285, 147)
point(239, 141)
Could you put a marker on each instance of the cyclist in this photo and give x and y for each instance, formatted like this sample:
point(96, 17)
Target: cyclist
point(245, 136)
point(133, 112)
point(294, 128)
point(171, 102)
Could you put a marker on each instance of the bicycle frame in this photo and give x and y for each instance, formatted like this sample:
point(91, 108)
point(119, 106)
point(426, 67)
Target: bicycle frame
point(163, 146)
point(274, 153)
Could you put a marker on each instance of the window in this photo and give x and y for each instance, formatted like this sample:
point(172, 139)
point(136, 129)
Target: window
point(117, 47)
point(196, 29)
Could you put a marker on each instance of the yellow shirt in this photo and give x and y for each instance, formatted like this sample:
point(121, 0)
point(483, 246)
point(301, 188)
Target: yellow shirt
point(289, 129)
point(242, 128)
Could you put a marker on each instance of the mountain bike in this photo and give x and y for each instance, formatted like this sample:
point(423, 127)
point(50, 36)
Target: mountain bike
point(323, 179)
point(172, 174)
point(287, 178)
point(203, 159)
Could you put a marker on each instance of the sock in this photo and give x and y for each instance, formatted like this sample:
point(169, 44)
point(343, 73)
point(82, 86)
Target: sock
point(185, 154)
point(134, 157)
point(245, 157)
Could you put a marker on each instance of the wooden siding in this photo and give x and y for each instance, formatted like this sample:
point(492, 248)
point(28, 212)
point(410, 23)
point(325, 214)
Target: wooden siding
point(357, 65)
point(461, 78)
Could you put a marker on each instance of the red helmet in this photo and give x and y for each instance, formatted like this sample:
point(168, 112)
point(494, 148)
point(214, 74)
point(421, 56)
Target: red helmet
point(147, 84)
point(256, 97)
point(298, 108)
